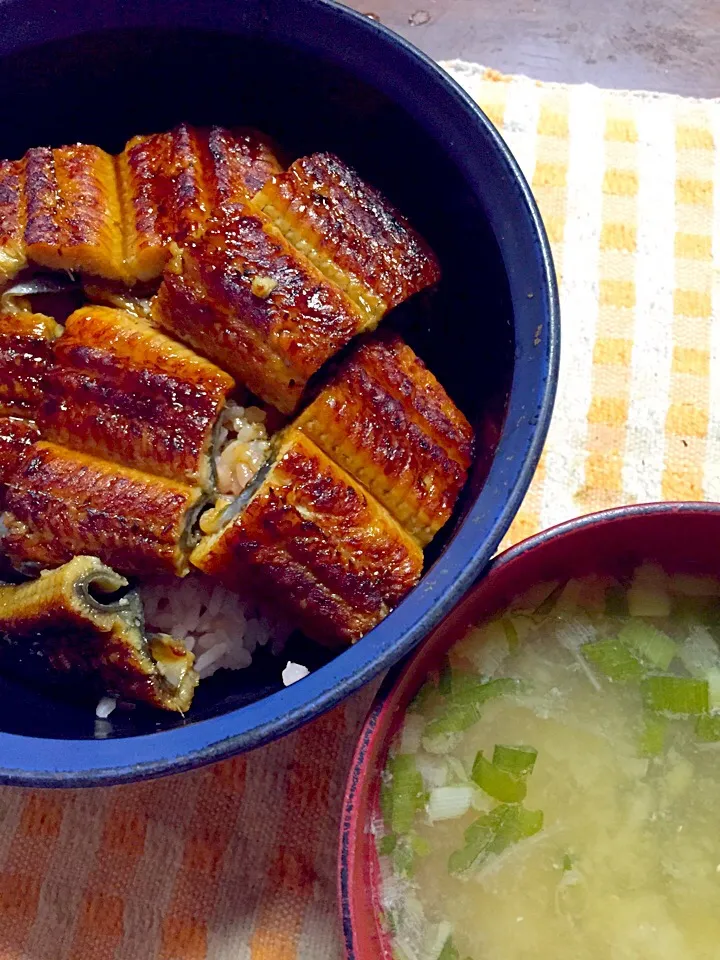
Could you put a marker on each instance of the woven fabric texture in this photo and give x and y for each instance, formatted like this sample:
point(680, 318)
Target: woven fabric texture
point(238, 860)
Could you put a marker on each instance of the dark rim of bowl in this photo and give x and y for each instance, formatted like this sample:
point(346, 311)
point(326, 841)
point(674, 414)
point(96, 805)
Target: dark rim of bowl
point(31, 761)
point(358, 769)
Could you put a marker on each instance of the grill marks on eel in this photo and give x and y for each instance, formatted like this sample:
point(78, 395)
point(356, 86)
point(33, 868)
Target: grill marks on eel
point(122, 390)
point(77, 208)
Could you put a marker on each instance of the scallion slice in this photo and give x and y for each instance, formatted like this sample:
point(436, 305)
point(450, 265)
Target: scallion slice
point(448, 803)
point(652, 741)
point(493, 833)
point(449, 951)
point(406, 794)
point(403, 858)
point(516, 760)
point(498, 783)
point(387, 844)
point(678, 695)
point(465, 701)
point(707, 728)
point(613, 658)
point(648, 644)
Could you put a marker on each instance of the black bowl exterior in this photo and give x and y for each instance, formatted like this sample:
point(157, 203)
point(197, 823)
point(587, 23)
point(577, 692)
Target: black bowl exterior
point(316, 76)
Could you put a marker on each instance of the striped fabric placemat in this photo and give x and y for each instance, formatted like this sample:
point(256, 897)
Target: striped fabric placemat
point(238, 860)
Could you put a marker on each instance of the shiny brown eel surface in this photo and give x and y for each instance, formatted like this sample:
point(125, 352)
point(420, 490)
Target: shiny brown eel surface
point(314, 542)
point(386, 420)
point(77, 208)
point(25, 358)
point(350, 231)
point(244, 297)
point(171, 183)
point(16, 435)
point(13, 256)
point(73, 211)
point(124, 391)
point(59, 503)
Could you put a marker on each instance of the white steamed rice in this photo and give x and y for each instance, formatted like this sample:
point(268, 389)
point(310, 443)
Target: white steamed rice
point(222, 629)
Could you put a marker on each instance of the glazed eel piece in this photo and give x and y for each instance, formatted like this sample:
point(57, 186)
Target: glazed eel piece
point(80, 209)
point(171, 183)
point(245, 298)
point(78, 625)
point(59, 503)
point(16, 435)
point(124, 391)
point(272, 291)
point(350, 231)
point(305, 536)
point(25, 358)
point(386, 419)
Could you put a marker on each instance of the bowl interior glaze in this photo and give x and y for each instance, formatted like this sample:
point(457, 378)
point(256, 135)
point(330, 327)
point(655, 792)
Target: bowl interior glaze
point(317, 77)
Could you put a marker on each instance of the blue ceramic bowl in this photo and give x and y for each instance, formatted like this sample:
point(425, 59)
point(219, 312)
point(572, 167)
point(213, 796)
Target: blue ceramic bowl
point(317, 76)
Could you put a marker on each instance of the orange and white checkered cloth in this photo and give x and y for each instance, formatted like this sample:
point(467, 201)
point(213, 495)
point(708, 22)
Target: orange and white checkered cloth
point(238, 860)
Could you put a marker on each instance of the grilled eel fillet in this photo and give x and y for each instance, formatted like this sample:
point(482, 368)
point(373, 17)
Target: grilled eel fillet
point(13, 256)
point(244, 297)
point(25, 358)
point(386, 420)
point(170, 183)
point(350, 232)
point(309, 538)
point(59, 504)
point(124, 391)
point(78, 208)
point(72, 211)
point(67, 627)
point(16, 435)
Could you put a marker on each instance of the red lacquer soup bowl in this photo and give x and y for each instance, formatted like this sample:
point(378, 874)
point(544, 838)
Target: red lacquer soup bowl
point(683, 538)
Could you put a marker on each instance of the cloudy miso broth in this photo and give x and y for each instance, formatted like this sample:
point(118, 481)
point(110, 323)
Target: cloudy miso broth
point(554, 790)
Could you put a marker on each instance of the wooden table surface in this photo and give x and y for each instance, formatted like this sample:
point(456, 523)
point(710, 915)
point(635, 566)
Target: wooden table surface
point(670, 45)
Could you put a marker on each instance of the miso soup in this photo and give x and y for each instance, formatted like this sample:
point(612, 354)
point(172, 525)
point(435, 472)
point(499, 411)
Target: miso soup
point(554, 791)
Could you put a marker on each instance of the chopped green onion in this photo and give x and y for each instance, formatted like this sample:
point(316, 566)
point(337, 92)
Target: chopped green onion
point(524, 823)
point(406, 793)
point(387, 844)
point(457, 771)
point(478, 838)
point(465, 701)
point(404, 859)
point(419, 845)
point(496, 782)
point(679, 695)
point(449, 951)
point(448, 803)
point(647, 599)
point(421, 698)
point(493, 833)
point(700, 653)
point(707, 728)
point(567, 863)
point(652, 741)
point(613, 658)
point(713, 679)
point(648, 644)
point(516, 760)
